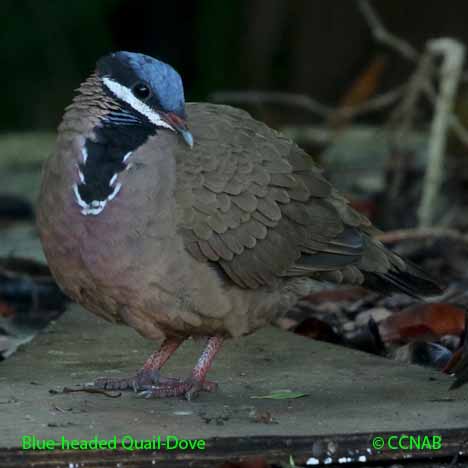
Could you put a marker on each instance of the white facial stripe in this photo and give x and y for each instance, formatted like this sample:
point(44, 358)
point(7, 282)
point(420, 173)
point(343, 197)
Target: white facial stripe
point(124, 93)
point(84, 154)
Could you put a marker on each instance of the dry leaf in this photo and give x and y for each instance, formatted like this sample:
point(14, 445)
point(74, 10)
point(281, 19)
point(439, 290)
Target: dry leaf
point(281, 395)
point(422, 322)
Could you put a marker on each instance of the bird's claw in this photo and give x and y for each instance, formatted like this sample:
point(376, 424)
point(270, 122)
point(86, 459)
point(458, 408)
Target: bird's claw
point(141, 380)
point(189, 388)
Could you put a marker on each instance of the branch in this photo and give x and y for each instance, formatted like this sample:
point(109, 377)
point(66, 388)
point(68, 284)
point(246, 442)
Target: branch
point(404, 114)
point(453, 58)
point(460, 130)
point(377, 103)
point(392, 237)
point(266, 97)
point(457, 126)
point(307, 103)
point(381, 34)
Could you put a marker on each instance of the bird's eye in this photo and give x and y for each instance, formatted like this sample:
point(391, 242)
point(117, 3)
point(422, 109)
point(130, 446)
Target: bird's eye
point(141, 91)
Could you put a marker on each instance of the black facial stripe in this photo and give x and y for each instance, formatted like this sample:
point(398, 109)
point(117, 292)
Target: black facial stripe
point(123, 117)
point(107, 150)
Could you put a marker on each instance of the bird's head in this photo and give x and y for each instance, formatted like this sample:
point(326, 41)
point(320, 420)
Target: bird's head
point(129, 98)
point(149, 89)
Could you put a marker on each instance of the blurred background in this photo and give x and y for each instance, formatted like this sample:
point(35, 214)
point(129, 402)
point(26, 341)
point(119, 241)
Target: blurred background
point(319, 47)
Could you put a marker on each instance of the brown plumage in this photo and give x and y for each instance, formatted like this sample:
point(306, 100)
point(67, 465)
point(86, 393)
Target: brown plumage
point(216, 240)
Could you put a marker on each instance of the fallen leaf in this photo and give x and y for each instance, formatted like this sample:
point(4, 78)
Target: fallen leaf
point(423, 322)
point(448, 369)
point(317, 329)
point(281, 395)
point(366, 338)
point(6, 310)
point(366, 83)
point(424, 354)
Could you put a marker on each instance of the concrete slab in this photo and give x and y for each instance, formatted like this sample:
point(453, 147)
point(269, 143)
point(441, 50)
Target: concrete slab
point(348, 391)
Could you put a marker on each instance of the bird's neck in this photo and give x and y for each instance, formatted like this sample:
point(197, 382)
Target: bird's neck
point(109, 134)
point(91, 103)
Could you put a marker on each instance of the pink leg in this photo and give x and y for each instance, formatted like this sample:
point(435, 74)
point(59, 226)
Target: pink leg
point(195, 383)
point(148, 374)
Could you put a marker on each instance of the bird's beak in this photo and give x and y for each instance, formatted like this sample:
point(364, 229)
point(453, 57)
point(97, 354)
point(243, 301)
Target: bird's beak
point(180, 126)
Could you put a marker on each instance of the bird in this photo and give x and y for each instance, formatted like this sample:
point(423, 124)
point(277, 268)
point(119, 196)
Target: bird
point(193, 220)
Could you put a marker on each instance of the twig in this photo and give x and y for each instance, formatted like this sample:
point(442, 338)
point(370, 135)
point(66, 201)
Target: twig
point(402, 119)
point(307, 103)
point(404, 114)
point(460, 130)
point(377, 103)
point(453, 58)
point(87, 390)
point(392, 237)
point(457, 126)
point(266, 97)
point(381, 34)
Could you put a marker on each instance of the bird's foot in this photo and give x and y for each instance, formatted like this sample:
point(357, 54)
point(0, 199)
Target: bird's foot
point(148, 375)
point(168, 387)
point(150, 384)
point(140, 381)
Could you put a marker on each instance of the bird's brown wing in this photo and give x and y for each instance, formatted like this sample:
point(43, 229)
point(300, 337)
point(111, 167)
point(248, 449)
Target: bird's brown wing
point(251, 201)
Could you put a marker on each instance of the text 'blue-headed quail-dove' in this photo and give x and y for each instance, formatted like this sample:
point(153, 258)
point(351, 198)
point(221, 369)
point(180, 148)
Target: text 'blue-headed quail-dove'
point(186, 220)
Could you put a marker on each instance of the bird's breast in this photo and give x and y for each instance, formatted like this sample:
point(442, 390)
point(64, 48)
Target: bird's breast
point(123, 241)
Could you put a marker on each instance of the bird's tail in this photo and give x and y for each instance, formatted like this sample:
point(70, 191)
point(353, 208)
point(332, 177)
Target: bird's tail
point(413, 281)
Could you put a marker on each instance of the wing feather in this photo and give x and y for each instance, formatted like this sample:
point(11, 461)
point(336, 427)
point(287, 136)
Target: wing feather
point(254, 203)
